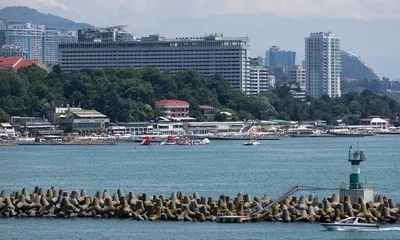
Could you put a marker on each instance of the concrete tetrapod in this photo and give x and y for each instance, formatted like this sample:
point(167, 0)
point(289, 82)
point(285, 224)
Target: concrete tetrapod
point(191, 207)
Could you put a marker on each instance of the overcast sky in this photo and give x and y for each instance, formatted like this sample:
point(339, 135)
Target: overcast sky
point(369, 28)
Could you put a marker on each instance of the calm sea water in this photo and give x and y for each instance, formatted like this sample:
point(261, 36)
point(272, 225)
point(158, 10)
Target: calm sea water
point(223, 167)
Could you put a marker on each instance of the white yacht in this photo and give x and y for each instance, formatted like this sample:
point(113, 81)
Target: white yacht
point(351, 223)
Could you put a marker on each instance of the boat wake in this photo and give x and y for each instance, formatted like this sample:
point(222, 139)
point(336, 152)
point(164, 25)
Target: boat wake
point(390, 229)
point(370, 230)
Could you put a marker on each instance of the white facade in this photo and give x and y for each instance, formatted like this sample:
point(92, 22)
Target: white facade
point(260, 80)
point(207, 128)
point(323, 60)
point(297, 74)
point(209, 55)
point(379, 123)
point(28, 36)
point(6, 130)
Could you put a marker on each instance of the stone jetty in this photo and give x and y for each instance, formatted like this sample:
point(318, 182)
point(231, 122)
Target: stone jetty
point(57, 203)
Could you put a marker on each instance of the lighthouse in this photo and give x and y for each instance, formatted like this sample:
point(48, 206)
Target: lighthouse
point(355, 159)
point(355, 189)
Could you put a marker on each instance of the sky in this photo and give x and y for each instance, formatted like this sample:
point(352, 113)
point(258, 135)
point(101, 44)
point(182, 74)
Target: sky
point(370, 28)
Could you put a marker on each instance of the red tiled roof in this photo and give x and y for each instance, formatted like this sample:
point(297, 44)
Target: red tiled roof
point(206, 107)
point(172, 103)
point(26, 63)
point(16, 62)
point(9, 62)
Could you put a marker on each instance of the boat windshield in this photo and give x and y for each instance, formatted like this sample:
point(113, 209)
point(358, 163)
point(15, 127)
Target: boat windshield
point(348, 220)
point(361, 220)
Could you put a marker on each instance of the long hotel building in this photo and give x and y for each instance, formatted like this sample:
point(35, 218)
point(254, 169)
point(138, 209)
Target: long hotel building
point(209, 55)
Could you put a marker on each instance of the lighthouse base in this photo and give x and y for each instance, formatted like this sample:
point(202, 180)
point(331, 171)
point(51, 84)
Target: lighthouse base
point(367, 194)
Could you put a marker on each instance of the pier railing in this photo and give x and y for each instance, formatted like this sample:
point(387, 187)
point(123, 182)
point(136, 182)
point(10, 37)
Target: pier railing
point(364, 185)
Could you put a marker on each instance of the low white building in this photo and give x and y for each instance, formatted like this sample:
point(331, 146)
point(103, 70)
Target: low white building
point(379, 123)
point(168, 126)
point(206, 128)
point(6, 130)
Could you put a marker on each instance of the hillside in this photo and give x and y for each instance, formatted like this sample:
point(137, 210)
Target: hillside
point(128, 95)
point(25, 14)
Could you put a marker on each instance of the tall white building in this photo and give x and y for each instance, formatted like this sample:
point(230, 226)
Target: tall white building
point(323, 64)
point(28, 36)
point(209, 55)
point(260, 80)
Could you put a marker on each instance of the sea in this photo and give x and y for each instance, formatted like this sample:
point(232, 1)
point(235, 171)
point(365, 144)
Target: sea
point(222, 167)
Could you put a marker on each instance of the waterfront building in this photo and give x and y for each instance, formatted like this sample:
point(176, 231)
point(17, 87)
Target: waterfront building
point(208, 112)
point(6, 130)
point(213, 128)
point(280, 58)
point(15, 63)
point(376, 122)
point(28, 36)
point(168, 126)
point(34, 126)
point(12, 51)
point(323, 64)
point(84, 121)
point(53, 114)
point(260, 80)
point(209, 55)
point(173, 109)
point(354, 67)
point(297, 74)
point(133, 128)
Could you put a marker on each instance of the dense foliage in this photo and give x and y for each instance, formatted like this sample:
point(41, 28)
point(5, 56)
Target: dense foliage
point(127, 94)
point(25, 14)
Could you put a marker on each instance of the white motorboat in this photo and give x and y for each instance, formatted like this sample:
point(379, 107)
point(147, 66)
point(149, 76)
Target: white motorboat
point(351, 223)
point(251, 142)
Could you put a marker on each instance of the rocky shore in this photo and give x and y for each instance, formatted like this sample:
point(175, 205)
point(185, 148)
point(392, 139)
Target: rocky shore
point(57, 203)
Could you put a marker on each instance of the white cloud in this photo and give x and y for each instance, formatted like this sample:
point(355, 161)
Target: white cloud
point(37, 4)
point(105, 11)
point(52, 3)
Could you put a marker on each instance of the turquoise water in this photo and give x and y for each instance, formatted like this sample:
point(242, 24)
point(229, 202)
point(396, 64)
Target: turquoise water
point(223, 167)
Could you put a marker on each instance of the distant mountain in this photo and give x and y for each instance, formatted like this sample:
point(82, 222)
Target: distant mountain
point(25, 14)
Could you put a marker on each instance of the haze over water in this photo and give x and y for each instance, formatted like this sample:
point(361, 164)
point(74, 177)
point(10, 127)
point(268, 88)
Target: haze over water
point(223, 167)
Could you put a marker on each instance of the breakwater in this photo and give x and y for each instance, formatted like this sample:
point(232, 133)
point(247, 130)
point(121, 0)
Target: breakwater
point(57, 203)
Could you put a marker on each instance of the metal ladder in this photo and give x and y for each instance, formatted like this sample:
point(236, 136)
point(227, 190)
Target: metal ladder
point(288, 193)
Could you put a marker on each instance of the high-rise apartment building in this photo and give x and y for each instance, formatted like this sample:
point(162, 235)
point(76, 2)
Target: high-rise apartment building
point(52, 37)
point(354, 67)
point(29, 36)
point(209, 55)
point(323, 64)
point(12, 51)
point(260, 80)
point(280, 58)
point(297, 74)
